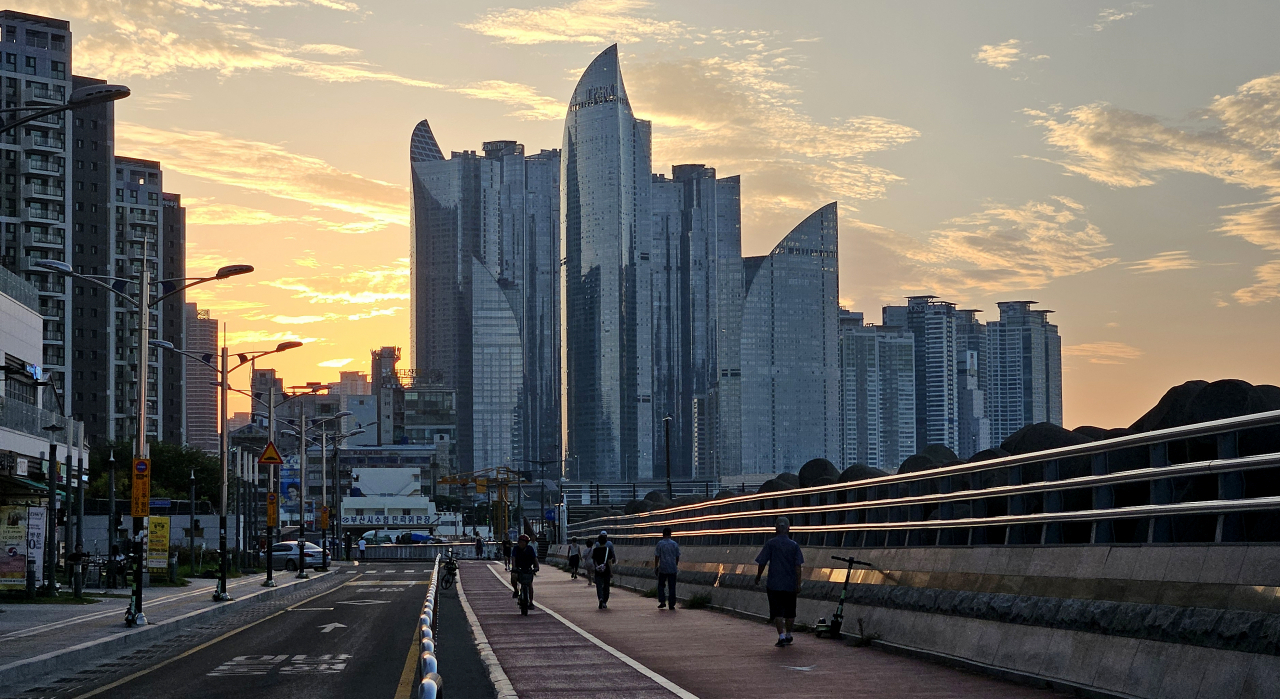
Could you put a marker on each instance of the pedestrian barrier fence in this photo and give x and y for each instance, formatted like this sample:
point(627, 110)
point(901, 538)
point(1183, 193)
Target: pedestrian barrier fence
point(1211, 482)
point(417, 552)
point(429, 684)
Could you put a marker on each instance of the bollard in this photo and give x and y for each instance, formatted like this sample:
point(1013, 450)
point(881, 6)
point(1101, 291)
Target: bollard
point(427, 663)
point(173, 568)
point(77, 580)
point(431, 687)
point(31, 578)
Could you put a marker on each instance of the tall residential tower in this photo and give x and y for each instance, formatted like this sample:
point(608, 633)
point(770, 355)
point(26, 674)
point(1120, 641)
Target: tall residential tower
point(1024, 365)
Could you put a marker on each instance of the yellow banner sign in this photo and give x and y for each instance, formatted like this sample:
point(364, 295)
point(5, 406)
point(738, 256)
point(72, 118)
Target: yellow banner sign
point(324, 519)
point(158, 543)
point(141, 490)
point(273, 510)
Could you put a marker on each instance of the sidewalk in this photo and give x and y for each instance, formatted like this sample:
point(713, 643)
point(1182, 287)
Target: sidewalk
point(707, 654)
point(29, 633)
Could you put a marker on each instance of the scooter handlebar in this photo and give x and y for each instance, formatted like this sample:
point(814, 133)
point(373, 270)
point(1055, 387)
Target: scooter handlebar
point(852, 561)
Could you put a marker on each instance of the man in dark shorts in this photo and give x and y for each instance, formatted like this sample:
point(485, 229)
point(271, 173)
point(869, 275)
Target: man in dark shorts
point(783, 558)
point(602, 560)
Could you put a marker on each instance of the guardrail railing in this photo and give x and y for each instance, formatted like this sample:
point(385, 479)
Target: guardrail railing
point(429, 684)
point(1213, 482)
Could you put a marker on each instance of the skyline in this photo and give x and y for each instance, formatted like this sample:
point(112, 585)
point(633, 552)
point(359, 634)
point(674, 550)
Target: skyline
point(1111, 215)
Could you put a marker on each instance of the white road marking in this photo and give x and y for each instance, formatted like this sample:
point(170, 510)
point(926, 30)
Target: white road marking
point(312, 609)
point(282, 664)
point(363, 602)
point(800, 669)
point(411, 571)
point(664, 682)
point(331, 626)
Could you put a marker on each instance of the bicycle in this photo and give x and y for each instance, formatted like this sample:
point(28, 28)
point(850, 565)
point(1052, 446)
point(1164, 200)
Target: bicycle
point(450, 574)
point(525, 582)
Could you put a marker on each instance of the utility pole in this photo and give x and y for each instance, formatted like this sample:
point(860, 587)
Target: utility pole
point(273, 480)
point(140, 448)
point(111, 520)
point(220, 594)
point(666, 426)
point(192, 521)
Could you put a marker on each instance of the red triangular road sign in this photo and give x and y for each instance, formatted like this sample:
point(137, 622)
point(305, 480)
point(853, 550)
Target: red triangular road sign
point(270, 456)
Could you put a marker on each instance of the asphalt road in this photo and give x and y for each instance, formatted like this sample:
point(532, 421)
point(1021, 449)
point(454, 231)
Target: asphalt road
point(350, 641)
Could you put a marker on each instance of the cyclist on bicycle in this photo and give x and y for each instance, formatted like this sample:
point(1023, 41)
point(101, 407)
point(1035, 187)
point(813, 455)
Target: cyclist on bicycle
point(524, 565)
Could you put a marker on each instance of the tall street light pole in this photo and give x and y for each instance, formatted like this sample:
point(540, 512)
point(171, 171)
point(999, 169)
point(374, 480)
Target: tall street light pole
point(224, 383)
point(142, 304)
point(666, 426)
point(82, 97)
point(301, 433)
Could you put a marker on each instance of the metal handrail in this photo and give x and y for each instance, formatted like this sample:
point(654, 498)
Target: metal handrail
point(1246, 463)
point(1201, 429)
point(1132, 512)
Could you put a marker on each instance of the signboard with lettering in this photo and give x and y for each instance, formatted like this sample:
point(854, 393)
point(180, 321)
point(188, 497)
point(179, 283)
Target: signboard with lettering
point(37, 520)
point(141, 490)
point(13, 545)
point(158, 543)
point(273, 510)
point(409, 520)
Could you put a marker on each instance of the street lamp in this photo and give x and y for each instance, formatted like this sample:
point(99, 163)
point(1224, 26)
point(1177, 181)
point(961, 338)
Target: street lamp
point(82, 97)
point(224, 383)
point(666, 426)
point(324, 478)
point(301, 433)
point(143, 303)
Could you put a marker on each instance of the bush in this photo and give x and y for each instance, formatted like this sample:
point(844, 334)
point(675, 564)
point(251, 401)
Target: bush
point(698, 601)
point(650, 593)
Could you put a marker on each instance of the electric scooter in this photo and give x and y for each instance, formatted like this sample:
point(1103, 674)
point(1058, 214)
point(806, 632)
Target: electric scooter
point(832, 629)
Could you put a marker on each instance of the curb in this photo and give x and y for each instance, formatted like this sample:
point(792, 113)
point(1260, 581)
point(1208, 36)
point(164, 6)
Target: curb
point(72, 656)
point(501, 684)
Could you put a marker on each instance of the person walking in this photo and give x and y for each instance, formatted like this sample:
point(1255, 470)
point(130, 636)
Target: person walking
point(784, 560)
point(575, 558)
point(666, 562)
point(479, 547)
point(361, 546)
point(602, 560)
point(506, 553)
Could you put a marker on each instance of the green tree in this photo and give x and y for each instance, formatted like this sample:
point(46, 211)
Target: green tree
point(171, 469)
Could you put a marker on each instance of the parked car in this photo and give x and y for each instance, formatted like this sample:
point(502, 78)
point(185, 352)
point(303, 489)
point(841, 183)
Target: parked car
point(284, 556)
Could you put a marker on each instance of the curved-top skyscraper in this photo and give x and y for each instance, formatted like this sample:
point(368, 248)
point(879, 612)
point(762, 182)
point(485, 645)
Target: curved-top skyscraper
point(606, 214)
point(790, 345)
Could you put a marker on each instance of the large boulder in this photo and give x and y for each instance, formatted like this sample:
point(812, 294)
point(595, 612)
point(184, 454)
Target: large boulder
point(859, 472)
point(689, 500)
point(989, 454)
point(940, 453)
point(1171, 411)
point(1041, 436)
point(815, 469)
point(773, 485)
point(916, 463)
point(726, 494)
point(657, 496)
point(636, 507)
point(790, 479)
point(1094, 433)
point(822, 480)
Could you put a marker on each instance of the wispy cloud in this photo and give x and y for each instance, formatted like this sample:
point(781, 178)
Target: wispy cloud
point(1266, 286)
point(336, 363)
point(238, 337)
point(126, 38)
point(1165, 262)
point(296, 320)
point(267, 169)
point(581, 22)
point(1001, 56)
point(1103, 352)
point(1240, 145)
point(999, 249)
point(1108, 17)
point(363, 287)
point(532, 105)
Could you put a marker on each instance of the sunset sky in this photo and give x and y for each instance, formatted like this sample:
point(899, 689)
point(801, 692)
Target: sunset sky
point(1119, 163)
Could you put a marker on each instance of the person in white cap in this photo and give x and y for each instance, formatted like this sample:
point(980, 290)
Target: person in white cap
point(602, 560)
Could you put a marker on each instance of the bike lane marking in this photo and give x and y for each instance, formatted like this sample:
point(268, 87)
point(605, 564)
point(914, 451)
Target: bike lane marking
point(662, 681)
point(204, 645)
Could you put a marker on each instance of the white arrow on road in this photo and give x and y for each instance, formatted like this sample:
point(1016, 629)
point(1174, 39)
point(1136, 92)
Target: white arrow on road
point(362, 602)
point(329, 627)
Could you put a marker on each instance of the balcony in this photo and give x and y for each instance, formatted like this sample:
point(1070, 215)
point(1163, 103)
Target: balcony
point(54, 334)
point(31, 141)
point(144, 217)
point(41, 165)
point(47, 94)
point(41, 214)
point(32, 190)
point(54, 237)
point(29, 419)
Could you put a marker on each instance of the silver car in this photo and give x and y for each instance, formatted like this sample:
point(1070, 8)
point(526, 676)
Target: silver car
point(284, 556)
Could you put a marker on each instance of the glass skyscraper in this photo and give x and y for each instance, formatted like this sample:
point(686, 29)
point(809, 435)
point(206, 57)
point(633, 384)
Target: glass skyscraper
point(608, 334)
point(790, 350)
point(485, 293)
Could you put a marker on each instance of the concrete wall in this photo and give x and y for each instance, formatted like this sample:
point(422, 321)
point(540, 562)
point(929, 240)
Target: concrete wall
point(1196, 621)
